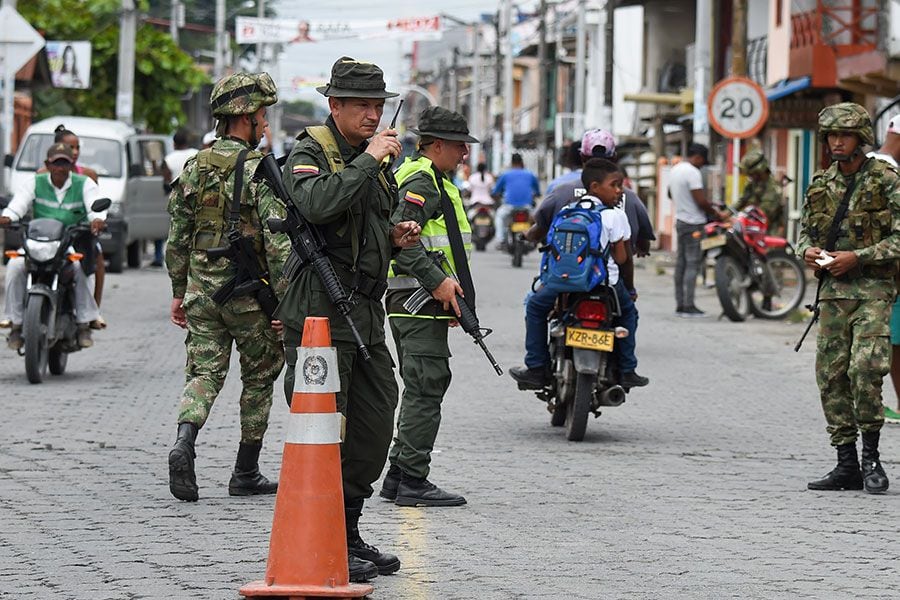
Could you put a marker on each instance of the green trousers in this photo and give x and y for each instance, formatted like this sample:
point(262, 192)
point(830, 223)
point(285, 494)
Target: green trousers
point(853, 354)
point(425, 369)
point(212, 329)
point(367, 399)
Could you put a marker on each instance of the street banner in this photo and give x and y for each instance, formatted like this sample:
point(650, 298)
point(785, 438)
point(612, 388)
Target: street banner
point(253, 30)
point(70, 64)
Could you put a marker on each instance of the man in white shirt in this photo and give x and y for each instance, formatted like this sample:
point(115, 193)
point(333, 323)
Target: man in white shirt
point(692, 208)
point(67, 197)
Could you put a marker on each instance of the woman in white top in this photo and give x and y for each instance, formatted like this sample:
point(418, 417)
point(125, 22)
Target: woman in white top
point(480, 185)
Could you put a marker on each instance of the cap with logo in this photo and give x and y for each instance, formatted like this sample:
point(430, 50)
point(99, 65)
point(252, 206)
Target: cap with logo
point(60, 151)
point(444, 124)
point(351, 78)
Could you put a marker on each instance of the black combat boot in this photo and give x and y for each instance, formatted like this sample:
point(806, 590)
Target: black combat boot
point(365, 553)
point(845, 476)
point(246, 480)
point(875, 480)
point(390, 483)
point(413, 491)
point(182, 480)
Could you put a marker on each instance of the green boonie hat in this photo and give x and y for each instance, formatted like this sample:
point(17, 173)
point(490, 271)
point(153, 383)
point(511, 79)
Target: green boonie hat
point(846, 117)
point(60, 151)
point(754, 162)
point(444, 124)
point(351, 78)
point(242, 94)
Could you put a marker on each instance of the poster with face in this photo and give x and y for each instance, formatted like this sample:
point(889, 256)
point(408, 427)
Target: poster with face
point(70, 64)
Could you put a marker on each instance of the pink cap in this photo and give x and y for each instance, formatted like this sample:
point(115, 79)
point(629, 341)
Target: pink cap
point(598, 137)
point(894, 125)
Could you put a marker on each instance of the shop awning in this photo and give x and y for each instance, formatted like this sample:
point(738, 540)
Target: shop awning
point(786, 87)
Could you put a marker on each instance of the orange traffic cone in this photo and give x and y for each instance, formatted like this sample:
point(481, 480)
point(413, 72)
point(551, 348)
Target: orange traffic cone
point(308, 547)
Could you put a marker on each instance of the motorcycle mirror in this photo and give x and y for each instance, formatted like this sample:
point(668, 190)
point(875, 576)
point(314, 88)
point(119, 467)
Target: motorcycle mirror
point(101, 204)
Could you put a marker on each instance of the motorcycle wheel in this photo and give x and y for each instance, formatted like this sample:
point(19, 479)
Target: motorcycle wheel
point(34, 330)
point(731, 288)
point(558, 415)
point(518, 251)
point(57, 360)
point(579, 407)
point(790, 283)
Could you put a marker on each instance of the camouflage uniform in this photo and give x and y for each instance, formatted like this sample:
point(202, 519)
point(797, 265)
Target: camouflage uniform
point(853, 351)
point(764, 194)
point(199, 206)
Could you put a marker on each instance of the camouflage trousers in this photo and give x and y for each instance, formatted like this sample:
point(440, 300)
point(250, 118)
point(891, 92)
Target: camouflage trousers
point(853, 354)
point(211, 331)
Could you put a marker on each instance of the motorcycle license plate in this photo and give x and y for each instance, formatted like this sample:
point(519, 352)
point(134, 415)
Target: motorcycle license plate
point(519, 227)
point(591, 339)
point(712, 242)
point(482, 220)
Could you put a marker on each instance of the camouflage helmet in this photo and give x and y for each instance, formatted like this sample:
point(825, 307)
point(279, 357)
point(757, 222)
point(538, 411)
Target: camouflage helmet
point(754, 162)
point(242, 94)
point(847, 117)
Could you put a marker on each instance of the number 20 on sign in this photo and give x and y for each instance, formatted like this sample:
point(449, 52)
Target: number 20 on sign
point(738, 108)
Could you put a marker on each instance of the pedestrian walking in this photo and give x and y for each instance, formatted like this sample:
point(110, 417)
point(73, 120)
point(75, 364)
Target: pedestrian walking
point(339, 179)
point(692, 207)
point(762, 191)
point(428, 197)
point(216, 193)
point(849, 236)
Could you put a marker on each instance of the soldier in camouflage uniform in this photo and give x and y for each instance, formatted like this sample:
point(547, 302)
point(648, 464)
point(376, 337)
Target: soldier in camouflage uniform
point(853, 350)
point(199, 205)
point(338, 175)
point(762, 191)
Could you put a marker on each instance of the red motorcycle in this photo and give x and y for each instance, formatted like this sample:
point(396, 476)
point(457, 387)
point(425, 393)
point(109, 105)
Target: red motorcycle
point(755, 272)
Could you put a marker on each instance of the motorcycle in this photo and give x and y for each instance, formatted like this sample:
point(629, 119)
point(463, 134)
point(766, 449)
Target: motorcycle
point(49, 327)
point(481, 219)
point(584, 379)
point(754, 272)
point(516, 244)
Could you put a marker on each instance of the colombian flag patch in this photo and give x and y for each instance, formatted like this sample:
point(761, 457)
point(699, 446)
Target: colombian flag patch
point(305, 170)
point(415, 199)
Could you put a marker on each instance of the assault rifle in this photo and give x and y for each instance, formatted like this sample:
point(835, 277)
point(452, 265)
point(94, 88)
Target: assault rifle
point(309, 244)
point(249, 279)
point(467, 318)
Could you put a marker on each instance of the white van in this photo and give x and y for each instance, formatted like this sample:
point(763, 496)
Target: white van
point(129, 166)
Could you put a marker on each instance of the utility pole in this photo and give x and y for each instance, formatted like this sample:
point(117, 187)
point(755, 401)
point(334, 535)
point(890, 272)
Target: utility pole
point(261, 13)
point(580, 60)
point(542, 93)
point(475, 97)
point(507, 83)
point(738, 69)
point(608, 33)
point(175, 18)
point(702, 71)
point(219, 62)
point(127, 34)
point(454, 79)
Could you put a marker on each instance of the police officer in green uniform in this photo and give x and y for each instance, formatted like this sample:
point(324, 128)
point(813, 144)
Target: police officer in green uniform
point(339, 178)
point(421, 338)
point(200, 207)
point(762, 191)
point(853, 349)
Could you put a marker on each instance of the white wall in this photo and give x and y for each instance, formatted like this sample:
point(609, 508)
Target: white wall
point(628, 65)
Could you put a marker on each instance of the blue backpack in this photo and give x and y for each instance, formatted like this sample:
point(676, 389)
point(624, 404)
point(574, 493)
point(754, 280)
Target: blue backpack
point(573, 260)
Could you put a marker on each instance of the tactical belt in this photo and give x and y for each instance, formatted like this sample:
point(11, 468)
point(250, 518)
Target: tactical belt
point(371, 288)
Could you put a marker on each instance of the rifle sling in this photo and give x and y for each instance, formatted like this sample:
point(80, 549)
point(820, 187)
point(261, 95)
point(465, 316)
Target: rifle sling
point(460, 259)
point(234, 216)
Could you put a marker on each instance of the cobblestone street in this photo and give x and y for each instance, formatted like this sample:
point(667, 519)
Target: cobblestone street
point(694, 488)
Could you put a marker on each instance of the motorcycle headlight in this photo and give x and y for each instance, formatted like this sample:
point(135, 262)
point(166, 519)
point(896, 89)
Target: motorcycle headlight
point(41, 251)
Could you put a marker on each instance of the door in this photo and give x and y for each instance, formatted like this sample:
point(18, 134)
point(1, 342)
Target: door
point(146, 200)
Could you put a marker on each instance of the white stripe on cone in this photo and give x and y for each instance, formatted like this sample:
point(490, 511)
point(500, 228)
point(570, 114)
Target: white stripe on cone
point(317, 371)
point(314, 428)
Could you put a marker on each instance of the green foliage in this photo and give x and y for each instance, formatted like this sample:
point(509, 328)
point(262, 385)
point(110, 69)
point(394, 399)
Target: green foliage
point(163, 73)
point(302, 108)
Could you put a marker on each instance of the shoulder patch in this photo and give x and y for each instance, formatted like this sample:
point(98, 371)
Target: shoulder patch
point(414, 198)
point(305, 170)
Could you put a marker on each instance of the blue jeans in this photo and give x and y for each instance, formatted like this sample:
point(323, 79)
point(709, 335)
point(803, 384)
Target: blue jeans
point(539, 304)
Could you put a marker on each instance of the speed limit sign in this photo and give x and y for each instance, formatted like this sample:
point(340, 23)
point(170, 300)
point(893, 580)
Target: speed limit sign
point(738, 107)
